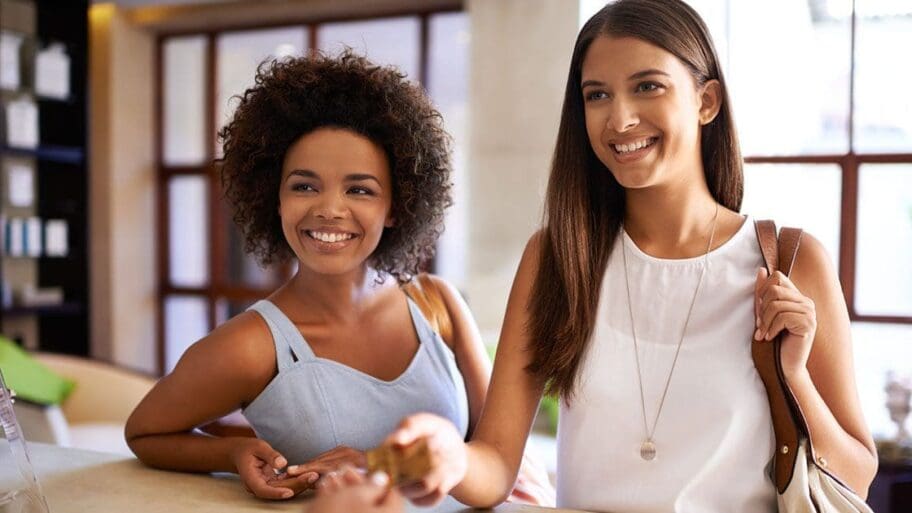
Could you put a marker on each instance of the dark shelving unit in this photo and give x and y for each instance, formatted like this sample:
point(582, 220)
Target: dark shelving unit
point(60, 167)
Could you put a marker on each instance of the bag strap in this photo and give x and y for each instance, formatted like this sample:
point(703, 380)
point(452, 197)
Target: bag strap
point(789, 423)
point(425, 293)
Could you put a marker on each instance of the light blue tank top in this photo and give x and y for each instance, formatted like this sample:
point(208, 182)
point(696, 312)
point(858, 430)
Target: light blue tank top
point(315, 404)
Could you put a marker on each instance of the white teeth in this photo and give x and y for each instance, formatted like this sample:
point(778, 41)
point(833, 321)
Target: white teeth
point(330, 237)
point(627, 148)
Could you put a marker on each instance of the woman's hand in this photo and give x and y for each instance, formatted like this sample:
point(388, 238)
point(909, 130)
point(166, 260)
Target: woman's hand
point(349, 490)
point(330, 461)
point(781, 307)
point(449, 459)
point(258, 465)
point(532, 484)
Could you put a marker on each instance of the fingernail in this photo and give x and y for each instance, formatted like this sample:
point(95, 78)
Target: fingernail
point(313, 478)
point(293, 468)
point(757, 334)
point(379, 478)
point(280, 462)
point(287, 494)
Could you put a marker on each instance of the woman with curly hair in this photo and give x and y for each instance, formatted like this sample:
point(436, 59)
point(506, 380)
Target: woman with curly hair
point(344, 167)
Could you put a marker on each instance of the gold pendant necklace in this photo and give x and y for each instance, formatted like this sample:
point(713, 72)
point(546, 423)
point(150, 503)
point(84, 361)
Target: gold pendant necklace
point(648, 450)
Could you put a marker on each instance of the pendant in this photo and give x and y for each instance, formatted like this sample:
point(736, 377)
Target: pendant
point(648, 450)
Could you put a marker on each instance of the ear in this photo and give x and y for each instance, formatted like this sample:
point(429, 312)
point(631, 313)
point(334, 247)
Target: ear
point(390, 221)
point(710, 101)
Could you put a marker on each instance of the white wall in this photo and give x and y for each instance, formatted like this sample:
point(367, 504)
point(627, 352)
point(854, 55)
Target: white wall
point(122, 191)
point(518, 67)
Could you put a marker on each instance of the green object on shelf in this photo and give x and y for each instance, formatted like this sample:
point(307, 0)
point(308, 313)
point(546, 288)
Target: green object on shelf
point(31, 379)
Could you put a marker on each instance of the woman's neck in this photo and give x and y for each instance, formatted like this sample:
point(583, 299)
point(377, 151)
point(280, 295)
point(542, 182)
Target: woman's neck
point(341, 297)
point(671, 223)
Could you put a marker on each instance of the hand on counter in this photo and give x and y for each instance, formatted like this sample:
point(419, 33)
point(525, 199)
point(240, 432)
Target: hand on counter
point(330, 461)
point(257, 464)
point(349, 490)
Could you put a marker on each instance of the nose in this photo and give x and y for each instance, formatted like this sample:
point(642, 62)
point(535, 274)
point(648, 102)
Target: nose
point(331, 206)
point(623, 116)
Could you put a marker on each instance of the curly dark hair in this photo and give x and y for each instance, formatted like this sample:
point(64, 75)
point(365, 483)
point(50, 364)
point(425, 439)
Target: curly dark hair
point(294, 96)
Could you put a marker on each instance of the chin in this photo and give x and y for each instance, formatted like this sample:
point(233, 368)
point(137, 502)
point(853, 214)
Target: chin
point(636, 179)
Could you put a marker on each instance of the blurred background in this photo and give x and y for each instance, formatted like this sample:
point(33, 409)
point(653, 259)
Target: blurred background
point(118, 245)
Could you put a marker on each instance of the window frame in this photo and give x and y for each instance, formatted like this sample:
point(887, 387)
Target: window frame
point(849, 164)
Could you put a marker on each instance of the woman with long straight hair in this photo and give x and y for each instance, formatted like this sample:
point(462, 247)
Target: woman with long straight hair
point(638, 299)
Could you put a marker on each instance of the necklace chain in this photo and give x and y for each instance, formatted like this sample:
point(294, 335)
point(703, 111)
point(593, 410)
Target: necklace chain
point(648, 450)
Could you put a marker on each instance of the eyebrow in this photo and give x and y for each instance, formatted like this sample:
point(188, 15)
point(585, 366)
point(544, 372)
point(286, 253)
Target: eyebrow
point(635, 76)
point(354, 177)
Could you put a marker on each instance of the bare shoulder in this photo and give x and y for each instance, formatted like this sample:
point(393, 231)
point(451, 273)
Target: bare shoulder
point(241, 348)
point(815, 276)
point(450, 293)
point(528, 264)
point(463, 323)
point(813, 271)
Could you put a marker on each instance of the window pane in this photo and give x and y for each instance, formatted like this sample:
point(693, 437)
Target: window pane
point(883, 283)
point(883, 111)
point(781, 191)
point(186, 321)
point(185, 100)
point(448, 72)
point(384, 41)
point(239, 54)
point(790, 92)
point(880, 348)
point(716, 15)
point(188, 230)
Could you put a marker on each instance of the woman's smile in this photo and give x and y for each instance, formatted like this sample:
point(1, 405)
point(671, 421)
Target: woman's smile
point(633, 150)
point(329, 241)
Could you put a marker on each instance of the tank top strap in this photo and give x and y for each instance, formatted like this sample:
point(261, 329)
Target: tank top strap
point(431, 341)
point(426, 333)
point(289, 343)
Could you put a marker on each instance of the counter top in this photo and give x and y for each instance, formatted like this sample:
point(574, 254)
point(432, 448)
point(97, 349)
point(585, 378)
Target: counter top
point(76, 480)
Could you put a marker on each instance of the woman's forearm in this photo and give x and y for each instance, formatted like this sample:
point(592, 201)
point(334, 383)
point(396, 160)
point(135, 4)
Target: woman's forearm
point(187, 452)
point(836, 450)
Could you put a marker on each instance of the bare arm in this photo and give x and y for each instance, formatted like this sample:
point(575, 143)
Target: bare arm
point(817, 362)
point(496, 449)
point(482, 472)
point(217, 375)
point(468, 347)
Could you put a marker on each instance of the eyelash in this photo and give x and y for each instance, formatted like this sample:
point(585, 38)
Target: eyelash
point(363, 191)
point(306, 187)
point(652, 87)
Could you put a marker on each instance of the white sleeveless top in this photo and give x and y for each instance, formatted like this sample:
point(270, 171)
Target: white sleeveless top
point(714, 438)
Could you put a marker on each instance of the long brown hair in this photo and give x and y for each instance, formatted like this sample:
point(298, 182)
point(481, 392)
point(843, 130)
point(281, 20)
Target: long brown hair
point(584, 205)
